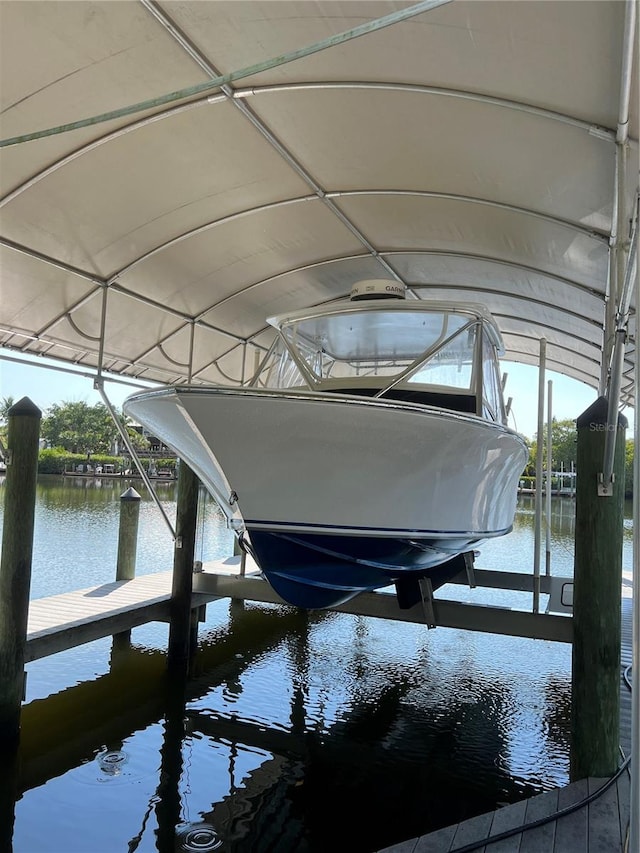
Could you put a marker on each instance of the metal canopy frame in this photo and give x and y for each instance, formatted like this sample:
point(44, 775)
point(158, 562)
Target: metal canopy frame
point(154, 212)
point(219, 326)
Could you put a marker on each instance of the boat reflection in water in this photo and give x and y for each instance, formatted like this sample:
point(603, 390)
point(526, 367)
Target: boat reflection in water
point(370, 449)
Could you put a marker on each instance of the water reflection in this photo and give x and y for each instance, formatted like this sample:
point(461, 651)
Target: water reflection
point(76, 532)
point(287, 726)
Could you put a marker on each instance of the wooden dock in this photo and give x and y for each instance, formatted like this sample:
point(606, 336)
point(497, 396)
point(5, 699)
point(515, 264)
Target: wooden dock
point(61, 622)
point(599, 826)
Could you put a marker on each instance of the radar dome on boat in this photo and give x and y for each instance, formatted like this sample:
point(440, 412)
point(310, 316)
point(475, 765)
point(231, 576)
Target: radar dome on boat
point(378, 289)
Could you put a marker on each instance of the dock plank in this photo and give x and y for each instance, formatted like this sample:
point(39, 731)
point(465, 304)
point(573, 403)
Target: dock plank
point(472, 830)
point(604, 819)
point(504, 819)
point(572, 832)
point(541, 839)
point(440, 841)
point(49, 615)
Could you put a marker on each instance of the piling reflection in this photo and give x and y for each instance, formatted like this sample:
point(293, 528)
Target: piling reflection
point(167, 802)
point(8, 794)
point(58, 732)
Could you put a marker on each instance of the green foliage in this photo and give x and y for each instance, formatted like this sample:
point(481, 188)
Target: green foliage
point(5, 404)
point(53, 461)
point(564, 436)
point(164, 464)
point(57, 460)
point(563, 446)
point(79, 428)
point(628, 467)
point(138, 441)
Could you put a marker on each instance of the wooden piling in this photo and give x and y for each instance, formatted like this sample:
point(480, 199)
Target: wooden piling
point(15, 566)
point(128, 535)
point(181, 638)
point(595, 675)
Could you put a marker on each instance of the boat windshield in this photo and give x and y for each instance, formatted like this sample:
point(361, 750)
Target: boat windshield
point(438, 356)
point(356, 345)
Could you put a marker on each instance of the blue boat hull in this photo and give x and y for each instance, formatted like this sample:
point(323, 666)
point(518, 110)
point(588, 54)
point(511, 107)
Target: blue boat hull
point(316, 571)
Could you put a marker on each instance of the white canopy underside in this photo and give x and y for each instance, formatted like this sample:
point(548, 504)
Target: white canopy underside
point(468, 151)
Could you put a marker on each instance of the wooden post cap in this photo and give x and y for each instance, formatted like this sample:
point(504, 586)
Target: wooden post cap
point(24, 408)
point(597, 413)
point(130, 495)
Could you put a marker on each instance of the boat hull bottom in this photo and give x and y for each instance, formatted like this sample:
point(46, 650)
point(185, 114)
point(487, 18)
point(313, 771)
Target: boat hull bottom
point(318, 571)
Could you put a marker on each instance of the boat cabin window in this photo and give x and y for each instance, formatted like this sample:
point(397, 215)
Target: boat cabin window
point(382, 343)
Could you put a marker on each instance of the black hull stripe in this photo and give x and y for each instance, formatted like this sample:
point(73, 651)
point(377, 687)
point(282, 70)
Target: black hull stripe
point(274, 526)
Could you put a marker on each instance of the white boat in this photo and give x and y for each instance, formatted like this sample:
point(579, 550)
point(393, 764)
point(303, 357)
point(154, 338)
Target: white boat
point(370, 449)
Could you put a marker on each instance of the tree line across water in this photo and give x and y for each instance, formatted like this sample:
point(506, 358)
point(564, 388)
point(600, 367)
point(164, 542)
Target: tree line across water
point(564, 437)
point(76, 434)
point(73, 430)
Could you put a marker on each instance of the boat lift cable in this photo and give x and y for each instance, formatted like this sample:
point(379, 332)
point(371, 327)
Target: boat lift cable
point(525, 827)
point(99, 386)
point(373, 564)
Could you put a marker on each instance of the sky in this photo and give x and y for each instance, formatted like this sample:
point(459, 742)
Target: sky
point(45, 387)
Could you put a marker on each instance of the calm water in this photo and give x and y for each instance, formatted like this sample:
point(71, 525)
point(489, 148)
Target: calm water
point(296, 732)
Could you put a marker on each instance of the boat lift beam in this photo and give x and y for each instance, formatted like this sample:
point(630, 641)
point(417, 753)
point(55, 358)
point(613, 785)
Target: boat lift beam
point(384, 605)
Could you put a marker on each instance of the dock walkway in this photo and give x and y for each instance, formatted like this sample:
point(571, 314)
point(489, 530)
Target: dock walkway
point(61, 622)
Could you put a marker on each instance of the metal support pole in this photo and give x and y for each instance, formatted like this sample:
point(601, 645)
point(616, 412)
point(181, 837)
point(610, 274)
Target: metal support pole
point(627, 277)
point(180, 629)
point(128, 535)
point(192, 333)
point(595, 716)
point(99, 386)
point(538, 510)
point(238, 550)
point(549, 475)
point(634, 816)
point(15, 566)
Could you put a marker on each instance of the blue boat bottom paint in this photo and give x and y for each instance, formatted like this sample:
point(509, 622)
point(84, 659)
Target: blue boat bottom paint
point(315, 571)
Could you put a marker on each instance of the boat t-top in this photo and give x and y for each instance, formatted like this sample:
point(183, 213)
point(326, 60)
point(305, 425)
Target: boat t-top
point(371, 448)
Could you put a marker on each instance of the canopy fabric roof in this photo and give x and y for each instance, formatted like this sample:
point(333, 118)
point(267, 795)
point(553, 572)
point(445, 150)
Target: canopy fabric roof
point(482, 151)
